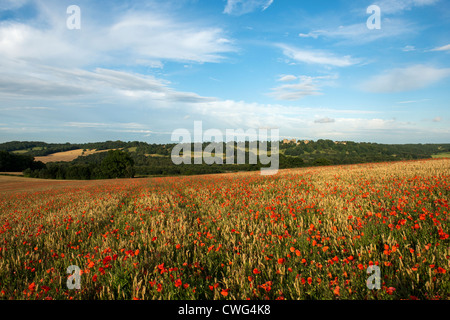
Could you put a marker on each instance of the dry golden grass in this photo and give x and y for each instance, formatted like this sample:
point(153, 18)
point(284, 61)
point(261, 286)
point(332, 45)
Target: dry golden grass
point(21, 184)
point(12, 173)
point(67, 155)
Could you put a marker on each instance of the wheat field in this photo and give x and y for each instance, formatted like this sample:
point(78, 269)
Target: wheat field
point(307, 233)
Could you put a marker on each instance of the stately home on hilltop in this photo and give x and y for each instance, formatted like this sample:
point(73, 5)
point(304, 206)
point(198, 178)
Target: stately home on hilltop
point(307, 141)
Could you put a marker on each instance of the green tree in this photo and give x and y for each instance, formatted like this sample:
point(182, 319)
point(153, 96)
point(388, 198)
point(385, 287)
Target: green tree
point(17, 163)
point(117, 164)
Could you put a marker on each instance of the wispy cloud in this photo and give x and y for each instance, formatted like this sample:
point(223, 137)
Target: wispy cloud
point(443, 48)
point(313, 34)
point(358, 33)
point(324, 120)
point(295, 91)
point(316, 57)
point(240, 7)
point(159, 37)
point(144, 38)
point(405, 79)
point(54, 83)
point(287, 78)
point(413, 101)
point(124, 127)
point(242, 114)
point(306, 86)
point(25, 108)
point(38, 87)
point(396, 6)
point(306, 122)
point(408, 48)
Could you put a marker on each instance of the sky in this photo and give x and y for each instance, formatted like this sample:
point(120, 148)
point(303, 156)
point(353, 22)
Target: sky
point(139, 70)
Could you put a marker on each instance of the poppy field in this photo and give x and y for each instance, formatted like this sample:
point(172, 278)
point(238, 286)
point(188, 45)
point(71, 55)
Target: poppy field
point(308, 233)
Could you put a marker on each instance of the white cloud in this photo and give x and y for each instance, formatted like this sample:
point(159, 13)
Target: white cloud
point(48, 62)
point(324, 120)
point(405, 79)
point(295, 91)
point(443, 48)
point(316, 57)
point(359, 33)
point(408, 48)
point(310, 123)
point(31, 81)
point(395, 6)
point(242, 114)
point(20, 41)
point(413, 101)
point(307, 86)
point(130, 127)
point(38, 87)
point(132, 38)
point(314, 34)
point(287, 78)
point(157, 37)
point(240, 7)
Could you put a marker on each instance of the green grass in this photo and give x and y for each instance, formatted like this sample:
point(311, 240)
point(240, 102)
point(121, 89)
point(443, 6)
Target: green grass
point(20, 151)
point(441, 155)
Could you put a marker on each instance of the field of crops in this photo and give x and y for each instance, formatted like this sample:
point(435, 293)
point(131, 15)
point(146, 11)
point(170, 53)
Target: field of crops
point(307, 233)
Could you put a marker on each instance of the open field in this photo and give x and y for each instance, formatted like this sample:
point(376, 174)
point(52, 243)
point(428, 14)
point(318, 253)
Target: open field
point(307, 233)
point(441, 155)
point(66, 155)
point(11, 174)
point(13, 184)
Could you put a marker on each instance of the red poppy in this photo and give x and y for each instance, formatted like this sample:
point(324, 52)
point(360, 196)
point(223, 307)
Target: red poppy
point(390, 290)
point(32, 286)
point(336, 291)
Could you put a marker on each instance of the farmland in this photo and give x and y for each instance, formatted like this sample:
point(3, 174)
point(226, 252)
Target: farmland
point(306, 233)
point(66, 155)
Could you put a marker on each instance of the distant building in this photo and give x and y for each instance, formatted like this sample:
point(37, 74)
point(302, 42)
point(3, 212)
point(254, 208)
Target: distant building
point(289, 141)
point(297, 142)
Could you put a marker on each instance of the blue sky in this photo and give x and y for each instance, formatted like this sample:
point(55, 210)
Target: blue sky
point(138, 70)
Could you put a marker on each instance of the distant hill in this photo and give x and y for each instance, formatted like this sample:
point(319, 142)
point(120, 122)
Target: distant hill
point(154, 159)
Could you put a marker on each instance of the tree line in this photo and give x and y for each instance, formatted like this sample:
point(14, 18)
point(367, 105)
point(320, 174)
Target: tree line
point(115, 164)
point(10, 162)
point(143, 159)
